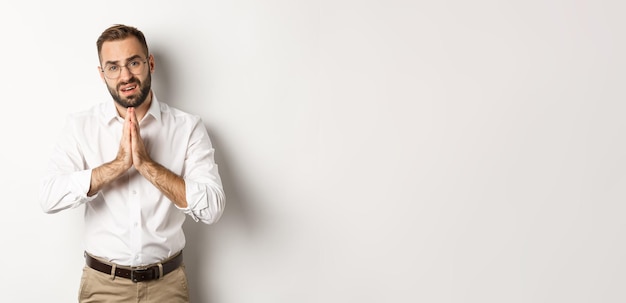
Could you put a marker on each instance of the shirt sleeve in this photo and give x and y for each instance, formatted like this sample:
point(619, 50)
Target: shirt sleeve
point(67, 181)
point(203, 186)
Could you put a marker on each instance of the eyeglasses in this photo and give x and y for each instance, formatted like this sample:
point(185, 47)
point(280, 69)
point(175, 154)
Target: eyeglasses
point(113, 71)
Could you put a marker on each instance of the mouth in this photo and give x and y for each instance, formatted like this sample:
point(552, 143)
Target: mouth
point(128, 89)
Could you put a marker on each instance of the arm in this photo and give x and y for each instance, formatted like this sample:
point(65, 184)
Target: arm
point(204, 191)
point(66, 182)
point(108, 172)
point(198, 192)
point(69, 182)
point(170, 184)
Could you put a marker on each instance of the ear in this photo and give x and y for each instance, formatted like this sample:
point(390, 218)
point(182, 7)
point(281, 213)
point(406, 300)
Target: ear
point(101, 73)
point(151, 63)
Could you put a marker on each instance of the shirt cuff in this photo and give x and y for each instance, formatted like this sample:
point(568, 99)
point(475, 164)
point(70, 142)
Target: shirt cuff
point(195, 194)
point(81, 182)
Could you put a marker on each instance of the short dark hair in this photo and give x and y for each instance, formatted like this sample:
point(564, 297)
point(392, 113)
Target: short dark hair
point(120, 32)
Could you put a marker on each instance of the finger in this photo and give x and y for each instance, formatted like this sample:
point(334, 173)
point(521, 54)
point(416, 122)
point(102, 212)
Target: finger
point(124, 153)
point(136, 145)
point(129, 113)
point(131, 133)
point(127, 123)
point(133, 115)
point(135, 136)
point(134, 130)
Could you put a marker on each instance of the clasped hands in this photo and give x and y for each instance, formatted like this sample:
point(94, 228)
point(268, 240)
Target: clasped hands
point(132, 153)
point(132, 150)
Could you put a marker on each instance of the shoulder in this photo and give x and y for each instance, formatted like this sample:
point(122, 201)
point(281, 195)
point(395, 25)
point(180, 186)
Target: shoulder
point(94, 114)
point(176, 115)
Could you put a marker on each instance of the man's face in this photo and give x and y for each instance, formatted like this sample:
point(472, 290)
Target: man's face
point(132, 86)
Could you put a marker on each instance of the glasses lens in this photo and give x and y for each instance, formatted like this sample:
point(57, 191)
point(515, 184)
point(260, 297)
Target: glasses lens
point(135, 67)
point(113, 71)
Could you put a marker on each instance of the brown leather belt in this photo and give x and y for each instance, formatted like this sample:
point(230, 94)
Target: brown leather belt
point(136, 274)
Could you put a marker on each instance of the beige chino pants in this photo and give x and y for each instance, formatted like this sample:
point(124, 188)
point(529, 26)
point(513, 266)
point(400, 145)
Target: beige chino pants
point(97, 287)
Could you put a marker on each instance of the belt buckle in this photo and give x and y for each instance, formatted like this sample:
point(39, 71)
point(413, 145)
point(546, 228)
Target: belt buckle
point(137, 275)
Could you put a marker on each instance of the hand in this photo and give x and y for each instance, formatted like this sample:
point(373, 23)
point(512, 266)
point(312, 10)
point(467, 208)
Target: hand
point(124, 155)
point(138, 149)
point(132, 152)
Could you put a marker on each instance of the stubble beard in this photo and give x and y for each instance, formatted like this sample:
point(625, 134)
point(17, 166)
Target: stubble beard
point(134, 100)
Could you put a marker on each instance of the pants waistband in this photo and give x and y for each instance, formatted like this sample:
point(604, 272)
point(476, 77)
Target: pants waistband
point(135, 274)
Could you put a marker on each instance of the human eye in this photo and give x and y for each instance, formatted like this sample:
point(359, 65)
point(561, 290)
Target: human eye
point(134, 63)
point(112, 68)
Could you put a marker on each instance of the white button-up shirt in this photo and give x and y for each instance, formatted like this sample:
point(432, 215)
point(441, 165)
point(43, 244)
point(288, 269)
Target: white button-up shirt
point(130, 222)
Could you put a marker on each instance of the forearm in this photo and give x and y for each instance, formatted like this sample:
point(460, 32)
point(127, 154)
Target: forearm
point(170, 184)
point(105, 174)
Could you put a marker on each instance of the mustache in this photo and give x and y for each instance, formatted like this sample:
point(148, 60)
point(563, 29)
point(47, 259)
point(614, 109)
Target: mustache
point(130, 81)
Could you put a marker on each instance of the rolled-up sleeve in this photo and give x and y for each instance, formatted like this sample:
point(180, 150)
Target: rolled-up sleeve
point(203, 186)
point(205, 202)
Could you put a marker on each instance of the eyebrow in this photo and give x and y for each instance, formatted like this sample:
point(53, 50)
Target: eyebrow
point(127, 60)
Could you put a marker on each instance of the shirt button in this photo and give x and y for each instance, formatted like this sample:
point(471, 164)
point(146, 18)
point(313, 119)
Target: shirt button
point(135, 224)
point(134, 192)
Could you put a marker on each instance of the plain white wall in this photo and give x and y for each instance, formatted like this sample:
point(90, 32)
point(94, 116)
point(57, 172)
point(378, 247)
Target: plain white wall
point(371, 151)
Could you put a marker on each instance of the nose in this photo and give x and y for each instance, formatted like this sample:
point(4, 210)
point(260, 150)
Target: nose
point(125, 73)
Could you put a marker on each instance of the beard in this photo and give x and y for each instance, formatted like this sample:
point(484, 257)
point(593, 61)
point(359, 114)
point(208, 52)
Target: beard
point(134, 100)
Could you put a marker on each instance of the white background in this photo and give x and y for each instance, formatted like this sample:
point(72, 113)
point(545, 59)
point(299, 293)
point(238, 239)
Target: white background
point(371, 151)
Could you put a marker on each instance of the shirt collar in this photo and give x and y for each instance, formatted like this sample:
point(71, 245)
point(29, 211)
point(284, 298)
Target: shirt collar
point(110, 111)
point(155, 109)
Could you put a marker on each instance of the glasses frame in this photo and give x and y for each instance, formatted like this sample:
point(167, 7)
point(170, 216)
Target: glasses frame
point(143, 61)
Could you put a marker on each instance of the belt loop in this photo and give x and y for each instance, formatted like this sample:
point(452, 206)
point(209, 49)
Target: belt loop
point(113, 268)
point(160, 270)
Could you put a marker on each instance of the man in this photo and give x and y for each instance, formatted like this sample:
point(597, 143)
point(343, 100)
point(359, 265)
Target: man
point(139, 167)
